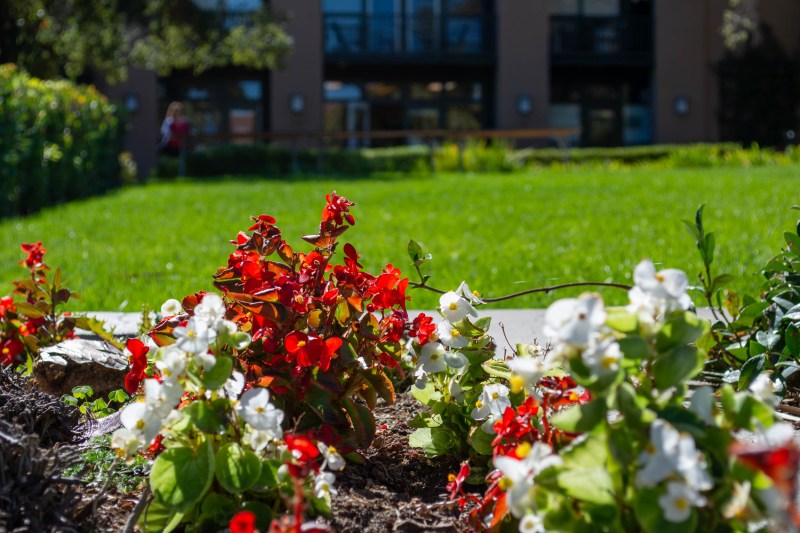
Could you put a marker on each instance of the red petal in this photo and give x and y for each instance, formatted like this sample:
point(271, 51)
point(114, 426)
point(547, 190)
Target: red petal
point(243, 522)
point(293, 339)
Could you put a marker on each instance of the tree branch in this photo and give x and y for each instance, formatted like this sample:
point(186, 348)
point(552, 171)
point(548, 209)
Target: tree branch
point(551, 288)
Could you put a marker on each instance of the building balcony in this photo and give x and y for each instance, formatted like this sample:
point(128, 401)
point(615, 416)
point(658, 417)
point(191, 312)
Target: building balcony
point(579, 40)
point(394, 38)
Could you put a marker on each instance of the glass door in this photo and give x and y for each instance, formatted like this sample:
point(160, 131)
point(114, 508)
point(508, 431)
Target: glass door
point(384, 25)
point(358, 122)
point(423, 25)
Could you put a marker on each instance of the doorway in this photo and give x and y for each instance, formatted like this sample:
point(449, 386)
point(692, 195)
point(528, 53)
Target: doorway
point(358, 121)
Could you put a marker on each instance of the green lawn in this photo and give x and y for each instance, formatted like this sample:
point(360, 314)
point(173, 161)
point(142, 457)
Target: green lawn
point(501, 233)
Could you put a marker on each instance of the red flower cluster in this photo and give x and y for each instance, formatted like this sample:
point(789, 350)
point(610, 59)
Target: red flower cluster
point(422, 328)
point(138, 361)
point(35, 259)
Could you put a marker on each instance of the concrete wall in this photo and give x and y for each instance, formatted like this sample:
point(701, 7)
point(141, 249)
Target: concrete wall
point(782, 16)
point(303, 68)
point(687, 44)
point(523, 62)
point(143, 135)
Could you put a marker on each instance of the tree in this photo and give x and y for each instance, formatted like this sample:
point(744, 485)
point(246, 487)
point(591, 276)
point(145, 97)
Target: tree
point(52, 38)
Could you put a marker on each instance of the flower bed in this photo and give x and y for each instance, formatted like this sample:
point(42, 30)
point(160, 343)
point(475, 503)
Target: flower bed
point(274, 406)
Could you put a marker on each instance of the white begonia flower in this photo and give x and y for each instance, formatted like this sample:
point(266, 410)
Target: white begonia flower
point(323, 484)
point(233, 387)
point(455, 390)
point(491, 405)
point(450, 336)
point(211, 309)
point(162, 397)
point(526, 373)
point(736, 506)
point(255, 409)
point(657, 293)
point(195, 337)
point(431, 358)
point(126, 442)
point(141, 419)
point(206, 360)
point(227, 326)
point(258, 440)
point(764, 389)
point(470, 295)
point(531, 523)
point(331, 457)
point(171, 362)
point(456, 359)
point(602, 356)
point(677, 503)
point(670, 452)
point(702, 404)
point(519, 474)
point(731, 376)
point(171, 307)
point(532, 350)
point(455, 307)
point(575, 321)
point(421, 378)
point(778, 434)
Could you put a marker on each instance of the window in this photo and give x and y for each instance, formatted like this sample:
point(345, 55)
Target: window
point(342, 6)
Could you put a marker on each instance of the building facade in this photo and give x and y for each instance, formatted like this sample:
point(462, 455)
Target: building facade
point(626, 72)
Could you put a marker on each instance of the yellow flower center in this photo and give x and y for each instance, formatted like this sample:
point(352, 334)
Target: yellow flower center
point(505, 483)
point(476, 294)
point(517, 384)
point(523, 450)
point(495, 395)
point(300, 344)
point(609, 361)
point(581, 316)
point(451, 478)
point(191, 334)
point(434, 356)
point(260, 409)
point(140, 424)
point(650, 448)
point(6, 351)
point(660, 277)
point(681, 504)
point(454, 306)
point(455, 333)
point(331, 449)
point(479, 404)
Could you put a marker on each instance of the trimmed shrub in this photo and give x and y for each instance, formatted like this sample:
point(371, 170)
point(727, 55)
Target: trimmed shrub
point(58, 141)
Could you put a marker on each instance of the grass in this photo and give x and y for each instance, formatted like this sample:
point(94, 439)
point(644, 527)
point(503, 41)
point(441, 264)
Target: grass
point(502, 233)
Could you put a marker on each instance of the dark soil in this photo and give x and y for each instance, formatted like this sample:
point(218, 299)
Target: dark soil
point(398, 488)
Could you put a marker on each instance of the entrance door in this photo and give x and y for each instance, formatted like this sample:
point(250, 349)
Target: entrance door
point(358, 122)
point(602, 125)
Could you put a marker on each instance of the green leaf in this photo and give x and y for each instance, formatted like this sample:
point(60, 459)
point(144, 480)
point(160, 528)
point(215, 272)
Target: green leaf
point(483, 323)
point(497, 369)
point(751, 368)
point(481, 441)
point(792, 339)
point(269, 476)
point(426, 396)
point(208, 417)
point(158, 518)
point(434, 441)
point(236, 468)
point(721, 280)
point(585, 475)
point(581, 418)
point(180, 476)
point(680, 329)
point(219, 507)
point(633, 407)
point(219, 373)
point(82, 391)
point(622, 320)
point(29, 310)
point(382, 385)
point(676, 366)
point(414, 251)
point(362, 420)
point(635, 348)
point(707, 250)
point(793, 241)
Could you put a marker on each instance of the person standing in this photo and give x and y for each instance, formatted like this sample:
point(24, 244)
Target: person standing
point(174, 131)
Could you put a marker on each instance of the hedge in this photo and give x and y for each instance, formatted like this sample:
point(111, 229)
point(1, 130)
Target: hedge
point(58, 142)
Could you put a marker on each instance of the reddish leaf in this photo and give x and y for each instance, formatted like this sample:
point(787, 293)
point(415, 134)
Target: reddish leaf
point(362, 421)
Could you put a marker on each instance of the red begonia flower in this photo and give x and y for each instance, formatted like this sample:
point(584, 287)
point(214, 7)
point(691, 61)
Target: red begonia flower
point(243, 522)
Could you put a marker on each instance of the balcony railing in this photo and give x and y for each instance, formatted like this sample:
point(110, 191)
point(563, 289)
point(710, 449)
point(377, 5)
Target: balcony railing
point(597, 39)
point(394, 36)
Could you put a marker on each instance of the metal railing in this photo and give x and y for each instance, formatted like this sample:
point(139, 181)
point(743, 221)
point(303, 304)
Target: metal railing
point(594, 37)
point(365, 34)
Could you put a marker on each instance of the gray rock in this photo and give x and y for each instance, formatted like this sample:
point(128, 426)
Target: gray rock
point(76, 362)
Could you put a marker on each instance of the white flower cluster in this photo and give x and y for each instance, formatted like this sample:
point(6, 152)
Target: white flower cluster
point(577, 325)
point(440, 355)
point(672, 456)
point(193, 350)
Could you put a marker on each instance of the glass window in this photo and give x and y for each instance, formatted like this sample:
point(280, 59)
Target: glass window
point(336, 90)
point(241, 6)
point(342, 6)
point(464, 34)
point(423, 118)
point(464, 7)
point(601, 8)
point(564, 7)
point(426, 91)
point(383, 91)
point(464, 117)
point(250, 89)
